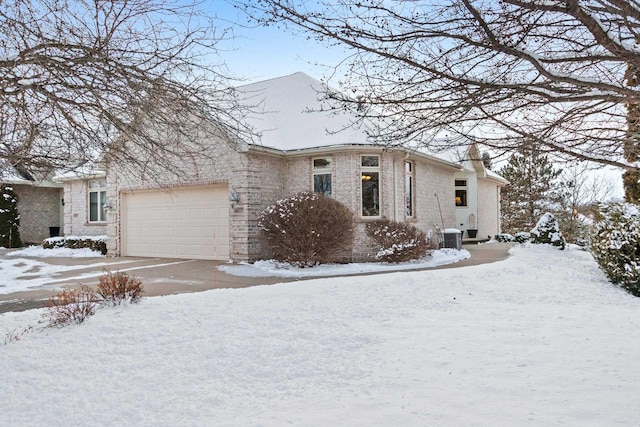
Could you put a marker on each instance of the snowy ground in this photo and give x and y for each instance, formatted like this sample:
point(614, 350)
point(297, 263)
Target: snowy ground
point(271, 268)
point(538, 339)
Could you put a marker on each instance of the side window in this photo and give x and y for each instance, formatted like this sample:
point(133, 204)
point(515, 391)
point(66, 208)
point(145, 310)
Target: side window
point(408, 189)
point(370, 185)
point(97, 201)
point(461, 192)
point(322, 176)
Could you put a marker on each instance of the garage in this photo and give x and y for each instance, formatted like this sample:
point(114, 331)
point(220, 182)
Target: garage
point(189, 222)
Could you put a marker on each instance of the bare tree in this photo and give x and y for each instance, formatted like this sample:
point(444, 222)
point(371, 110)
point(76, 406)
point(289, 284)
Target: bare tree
point(78, 77)
point(503, 73)
point(582, 192)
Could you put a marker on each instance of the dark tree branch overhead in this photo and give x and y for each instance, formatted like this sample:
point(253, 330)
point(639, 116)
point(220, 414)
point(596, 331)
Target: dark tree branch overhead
point(76, 76)
point(504, 73)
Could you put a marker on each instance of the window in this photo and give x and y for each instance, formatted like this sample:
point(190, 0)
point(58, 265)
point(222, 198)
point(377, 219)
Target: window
point(370, 185)
point(98, 201)
point(322, 176)
point(461, 192)
point(408, 189)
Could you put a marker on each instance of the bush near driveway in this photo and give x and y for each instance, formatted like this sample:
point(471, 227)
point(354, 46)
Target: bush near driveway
point(615, 244)
point(95, 243)
point(397, 241)
point(308, 229)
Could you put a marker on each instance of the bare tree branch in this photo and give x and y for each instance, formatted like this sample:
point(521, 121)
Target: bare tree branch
point(503, 73)
point(77, 76)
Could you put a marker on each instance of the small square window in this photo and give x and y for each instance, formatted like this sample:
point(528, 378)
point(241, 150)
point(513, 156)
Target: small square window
point(370, 161)
point(461, 182)
point(322, 163)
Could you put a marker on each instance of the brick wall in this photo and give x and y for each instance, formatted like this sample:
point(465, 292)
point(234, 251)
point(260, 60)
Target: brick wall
point(76, 211)
point(39, 209)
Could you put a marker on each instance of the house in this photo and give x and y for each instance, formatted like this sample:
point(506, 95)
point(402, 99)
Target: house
point(39, 203)
point(212, 212)
point(477, 194)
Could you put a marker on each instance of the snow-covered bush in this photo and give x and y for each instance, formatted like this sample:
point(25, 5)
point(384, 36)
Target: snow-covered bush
point(522, 237)
point(547, 231)
point(9, 218)
point(397, 241)
point(95, 243)
point(615, 244)
point(308, 229)
point(504, 237)
point(118, 288)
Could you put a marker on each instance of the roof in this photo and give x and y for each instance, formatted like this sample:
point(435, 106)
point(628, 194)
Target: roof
point(291, 113)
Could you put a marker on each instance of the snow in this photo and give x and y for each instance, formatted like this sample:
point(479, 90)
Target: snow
point(40, 252)
point(271, 268)
point(289, 113)
point(503, 344)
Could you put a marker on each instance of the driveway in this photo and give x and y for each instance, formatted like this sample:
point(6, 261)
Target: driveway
point(27, 283)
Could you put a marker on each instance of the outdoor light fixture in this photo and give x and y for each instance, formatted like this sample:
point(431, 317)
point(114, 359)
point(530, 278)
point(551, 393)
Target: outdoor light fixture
point(234, 197)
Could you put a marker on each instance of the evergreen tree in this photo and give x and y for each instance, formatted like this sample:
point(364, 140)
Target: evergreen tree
point(531, 192)
point(9, 218)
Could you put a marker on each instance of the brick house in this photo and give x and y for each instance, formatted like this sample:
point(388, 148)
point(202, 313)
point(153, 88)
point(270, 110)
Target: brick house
point(213, 212)
point(39, 204)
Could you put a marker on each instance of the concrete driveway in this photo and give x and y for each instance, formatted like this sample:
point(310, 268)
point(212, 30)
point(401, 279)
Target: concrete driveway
point(160, 276)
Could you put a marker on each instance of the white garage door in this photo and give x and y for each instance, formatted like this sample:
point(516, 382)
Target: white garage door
point(191, 222)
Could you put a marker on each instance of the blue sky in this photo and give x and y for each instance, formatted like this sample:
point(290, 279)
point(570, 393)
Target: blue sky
point(260, 52)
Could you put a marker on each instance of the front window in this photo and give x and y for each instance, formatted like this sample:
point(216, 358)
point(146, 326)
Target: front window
point(370, 185)
point(98, 201)
point(322, 176)
point(461, 192)
point(408, 189)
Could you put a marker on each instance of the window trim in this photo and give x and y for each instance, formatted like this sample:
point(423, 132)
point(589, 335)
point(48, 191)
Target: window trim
point(463, 199)
point(373, 169)
point(101, 195)
point(321, 170)
point(409, 208)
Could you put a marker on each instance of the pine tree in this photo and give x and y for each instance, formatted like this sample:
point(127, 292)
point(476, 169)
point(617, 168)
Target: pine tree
point(9, 218)
point(531, 192)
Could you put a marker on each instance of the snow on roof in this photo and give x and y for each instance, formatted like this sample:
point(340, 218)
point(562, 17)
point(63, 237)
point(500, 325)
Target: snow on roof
point(10, 175)
point(290, 113)
point(85, 171)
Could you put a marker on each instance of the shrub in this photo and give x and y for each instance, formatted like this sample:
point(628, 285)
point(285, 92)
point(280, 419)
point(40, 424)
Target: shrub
point(505, 237)
point(71, 306)
point(308, 229)
point(95, 243)
point(117, 288)
point(547, 231)
point(9, 218)
point(615, 244)
point(16, 334)
point(397, 241)
point(522, 237)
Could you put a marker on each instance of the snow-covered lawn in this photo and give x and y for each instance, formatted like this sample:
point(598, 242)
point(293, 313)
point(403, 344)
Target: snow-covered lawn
point(538, 339)
point(271, 268)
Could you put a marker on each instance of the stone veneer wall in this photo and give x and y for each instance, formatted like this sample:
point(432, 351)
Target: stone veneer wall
point(428, 180)
point(488, 208)
point(76, 211)
point(39, 209)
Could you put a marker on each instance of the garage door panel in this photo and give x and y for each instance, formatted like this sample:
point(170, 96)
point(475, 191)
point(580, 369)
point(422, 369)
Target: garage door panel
point(186, 223)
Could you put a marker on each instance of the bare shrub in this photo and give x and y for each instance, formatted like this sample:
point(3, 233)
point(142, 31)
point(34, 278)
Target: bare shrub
point(71, 306)
point(16, 334)
point(397, 241)
point(118, 288)
point(308, 229)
